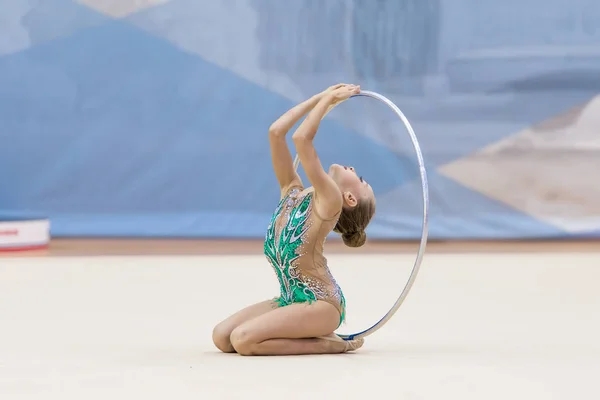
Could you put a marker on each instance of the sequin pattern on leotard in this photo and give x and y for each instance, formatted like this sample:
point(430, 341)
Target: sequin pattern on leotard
point(290, 248)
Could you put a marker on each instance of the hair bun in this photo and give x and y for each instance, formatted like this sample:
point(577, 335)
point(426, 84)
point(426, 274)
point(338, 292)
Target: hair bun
point(354, 239)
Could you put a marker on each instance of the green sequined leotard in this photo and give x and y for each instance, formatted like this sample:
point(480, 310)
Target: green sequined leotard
point(294, 247)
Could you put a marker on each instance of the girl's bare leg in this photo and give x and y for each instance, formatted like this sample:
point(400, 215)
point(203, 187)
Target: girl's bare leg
point(222, 331)
point(292, 330)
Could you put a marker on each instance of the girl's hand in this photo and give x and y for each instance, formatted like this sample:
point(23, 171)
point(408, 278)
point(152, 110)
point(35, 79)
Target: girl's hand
point(339, 93)
point(332, 88)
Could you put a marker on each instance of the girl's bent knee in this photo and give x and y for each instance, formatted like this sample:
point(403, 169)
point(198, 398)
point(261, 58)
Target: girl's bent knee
point(221, 339)
point(242, 342)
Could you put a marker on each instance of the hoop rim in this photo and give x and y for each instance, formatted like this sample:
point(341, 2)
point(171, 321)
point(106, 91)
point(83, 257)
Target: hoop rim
point(425, 224)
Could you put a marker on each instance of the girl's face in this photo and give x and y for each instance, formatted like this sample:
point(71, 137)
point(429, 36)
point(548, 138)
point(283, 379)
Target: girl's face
point(350, 182)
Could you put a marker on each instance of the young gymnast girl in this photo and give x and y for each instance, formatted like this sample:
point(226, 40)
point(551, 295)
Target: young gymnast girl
point(311, 306)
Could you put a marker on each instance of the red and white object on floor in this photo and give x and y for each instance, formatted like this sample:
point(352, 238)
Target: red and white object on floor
point(24, 234)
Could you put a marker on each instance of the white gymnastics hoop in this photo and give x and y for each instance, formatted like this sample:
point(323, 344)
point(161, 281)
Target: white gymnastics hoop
point(424, 230)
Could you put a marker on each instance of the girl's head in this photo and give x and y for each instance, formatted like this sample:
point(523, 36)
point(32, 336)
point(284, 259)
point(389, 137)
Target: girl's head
point(358, 208)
